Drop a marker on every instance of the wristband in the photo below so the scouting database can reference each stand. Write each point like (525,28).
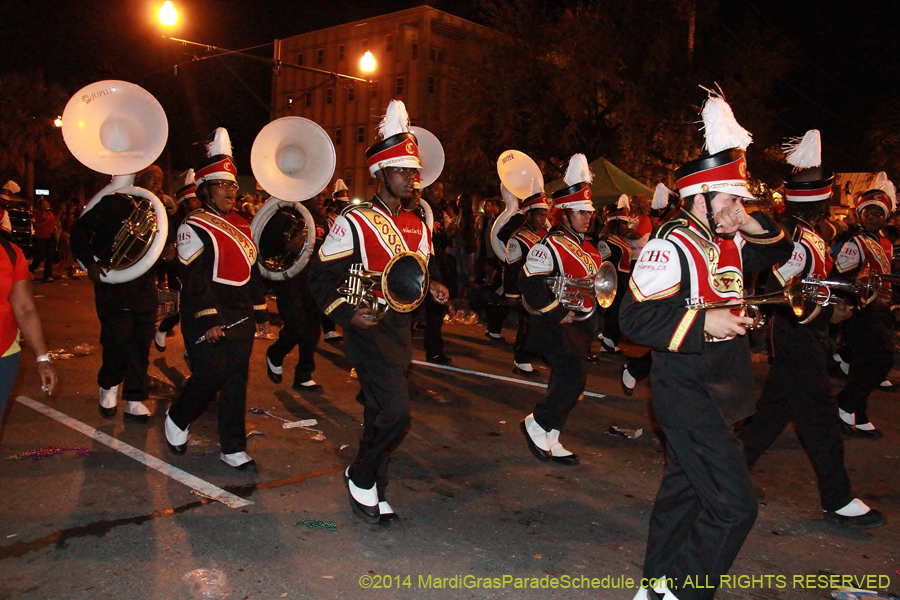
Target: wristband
(44,358)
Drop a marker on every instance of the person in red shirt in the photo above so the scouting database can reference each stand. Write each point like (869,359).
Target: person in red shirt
(44,239)
(17,312)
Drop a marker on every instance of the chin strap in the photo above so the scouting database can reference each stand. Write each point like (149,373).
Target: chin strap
(387,186)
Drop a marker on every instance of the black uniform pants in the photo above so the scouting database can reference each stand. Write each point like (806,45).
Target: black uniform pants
(385,421)
(704,509)
(520,354)
(434,320)
(495,313)
(327,324)
(125,336)
(218,368)
(301,319)
(567,379)
(869,336)
(611,327)
(798,390)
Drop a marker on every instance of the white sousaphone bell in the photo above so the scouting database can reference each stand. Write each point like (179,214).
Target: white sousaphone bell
(293,159)
(118,128)
(431,153)
(519,175)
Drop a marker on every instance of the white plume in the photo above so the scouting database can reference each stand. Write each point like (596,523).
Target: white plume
(221,144)
(885,185)
(578,171)
(189,177)
(12,186)
(536,186)
(624,202)
(660,197)
(721,129)
(339,185)
(396,120)
(805,152)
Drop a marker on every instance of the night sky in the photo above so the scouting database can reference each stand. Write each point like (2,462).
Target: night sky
(847,49)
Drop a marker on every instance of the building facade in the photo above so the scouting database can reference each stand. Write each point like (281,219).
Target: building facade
(421,57)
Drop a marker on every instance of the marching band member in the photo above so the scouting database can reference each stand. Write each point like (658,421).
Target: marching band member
(127,311)
(531,232)
(371,234)
(564,341)
(222,298)
(869,331)
(701,376)
(296,305)
(341,198)
(619,248)
(797,388)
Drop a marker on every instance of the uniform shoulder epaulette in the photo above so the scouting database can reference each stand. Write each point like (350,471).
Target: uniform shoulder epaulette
(666,228)
(352,207)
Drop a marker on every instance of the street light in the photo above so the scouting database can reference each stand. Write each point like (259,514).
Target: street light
(168,16)
(367,62)
(57,122)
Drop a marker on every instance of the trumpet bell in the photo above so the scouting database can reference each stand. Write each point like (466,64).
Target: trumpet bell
(605,284)
(431,153)
(293,158)
(404,282)
(114,127)
(518,172)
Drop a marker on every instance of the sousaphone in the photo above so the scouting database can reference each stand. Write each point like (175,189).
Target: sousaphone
(293,159)
(519,175)
(431,153)
(118,128)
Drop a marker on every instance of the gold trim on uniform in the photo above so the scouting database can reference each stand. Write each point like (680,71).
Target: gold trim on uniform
(334,305)
(666,293)
(205,313)
(549,307)
(681,331)
(260,307)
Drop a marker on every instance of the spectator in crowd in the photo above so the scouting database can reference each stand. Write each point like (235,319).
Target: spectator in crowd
(44,239)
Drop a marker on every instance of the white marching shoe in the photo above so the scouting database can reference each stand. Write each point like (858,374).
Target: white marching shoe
(558,453)
(108,401)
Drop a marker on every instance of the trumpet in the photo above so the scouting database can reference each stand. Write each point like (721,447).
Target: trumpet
(791,295)
(574,293)
(403,283)
(822,291)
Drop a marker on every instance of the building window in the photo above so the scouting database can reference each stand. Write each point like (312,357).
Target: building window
(340,52)
(373,91)
(320,56)
(431,85)
(389,42)
(360,135)
(329,95)
(415,50)
(348,179)
(351,93)
(398,89)
(308,100)
(437,54)
(338,136)
(300,59)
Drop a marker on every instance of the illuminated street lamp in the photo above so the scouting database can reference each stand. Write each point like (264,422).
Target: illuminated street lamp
(367,62)
(168,16)
(57,122)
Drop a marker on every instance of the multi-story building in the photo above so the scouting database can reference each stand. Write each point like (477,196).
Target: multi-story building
(421,57)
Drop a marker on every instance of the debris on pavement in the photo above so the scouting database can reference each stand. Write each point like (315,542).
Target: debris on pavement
(42,453)
(846,593)
(314,524)
(306,424)
(629,434)
(207,584)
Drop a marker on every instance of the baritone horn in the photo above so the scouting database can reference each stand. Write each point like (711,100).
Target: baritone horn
(402,286)
(791,295)
(118,128)
(293,159)
(576,293)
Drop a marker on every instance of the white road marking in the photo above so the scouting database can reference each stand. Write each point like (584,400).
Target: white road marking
(204,487)
(492,376)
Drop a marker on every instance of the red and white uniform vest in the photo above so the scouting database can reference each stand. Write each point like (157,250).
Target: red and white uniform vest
(624,265)
(235,251)
(521,243)
(715,271)
(809,249)
(870,253)
(381,236)
(563,252)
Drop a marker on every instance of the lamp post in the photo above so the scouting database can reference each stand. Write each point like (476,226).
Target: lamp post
(168,16)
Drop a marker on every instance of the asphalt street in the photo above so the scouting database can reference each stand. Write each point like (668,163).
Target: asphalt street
(117,516)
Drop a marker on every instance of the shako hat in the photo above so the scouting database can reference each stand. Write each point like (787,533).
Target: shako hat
(397,147)
(809,182)
(188,190)
(882,195)
(340,191)
(577,193)
(724,169)
(537,199)
(219,164)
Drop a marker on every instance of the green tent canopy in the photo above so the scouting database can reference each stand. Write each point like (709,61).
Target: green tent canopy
(609,183)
